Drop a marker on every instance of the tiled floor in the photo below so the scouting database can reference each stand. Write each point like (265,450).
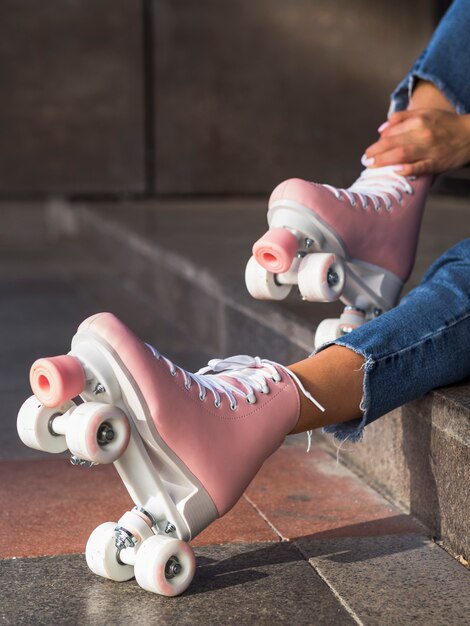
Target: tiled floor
(309,542)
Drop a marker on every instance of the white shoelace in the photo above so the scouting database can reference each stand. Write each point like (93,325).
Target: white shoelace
(375,184)
(251,373)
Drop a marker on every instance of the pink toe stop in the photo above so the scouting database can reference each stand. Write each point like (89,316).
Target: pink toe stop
(56,379)
(276,250)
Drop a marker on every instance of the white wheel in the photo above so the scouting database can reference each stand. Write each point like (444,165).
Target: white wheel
(101,554)
(321,277)
(332,329)
(328,330)
(34,425)
(165,565)
(262,284)
(98,432)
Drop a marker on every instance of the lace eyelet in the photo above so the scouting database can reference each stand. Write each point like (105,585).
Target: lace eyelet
(202,397)
(173,372)
(266,391)
(217,404)
(187,387)
(248,401)
(276,381)
(233,407)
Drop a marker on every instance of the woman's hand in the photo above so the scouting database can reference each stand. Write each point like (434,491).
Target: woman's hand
(422,141)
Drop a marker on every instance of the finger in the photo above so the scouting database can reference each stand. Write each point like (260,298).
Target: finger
(404,148)
(395,118)
(408,125)
(416,169)
(413,121)
(383,145)
(395,156)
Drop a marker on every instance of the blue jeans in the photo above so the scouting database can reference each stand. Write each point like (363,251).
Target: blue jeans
(445,62)
(421,344)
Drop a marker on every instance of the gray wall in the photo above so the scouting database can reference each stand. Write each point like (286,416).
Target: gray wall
(195,97)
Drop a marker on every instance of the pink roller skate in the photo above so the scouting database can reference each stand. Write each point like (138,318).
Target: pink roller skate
(356,244)
(185,445)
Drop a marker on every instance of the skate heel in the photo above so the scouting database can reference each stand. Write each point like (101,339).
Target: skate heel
(57,379)
(276,249)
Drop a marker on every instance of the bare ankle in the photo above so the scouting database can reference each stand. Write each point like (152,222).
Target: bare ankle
(334,377)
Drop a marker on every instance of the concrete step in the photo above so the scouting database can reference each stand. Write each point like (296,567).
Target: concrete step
(188,258)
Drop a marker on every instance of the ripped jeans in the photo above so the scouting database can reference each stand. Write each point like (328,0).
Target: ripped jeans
(445,62)
(421,344)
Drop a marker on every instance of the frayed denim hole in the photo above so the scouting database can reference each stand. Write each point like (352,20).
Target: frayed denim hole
(353,430)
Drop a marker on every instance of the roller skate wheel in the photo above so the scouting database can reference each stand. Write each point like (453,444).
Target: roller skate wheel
(321,277)
(276,250)
(328,330)
(34,425)
(352,318)
(101,554)
(98,432)
(165,565)
(57,379)
(262,284)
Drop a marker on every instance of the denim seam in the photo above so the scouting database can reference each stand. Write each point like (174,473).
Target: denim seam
(435,333)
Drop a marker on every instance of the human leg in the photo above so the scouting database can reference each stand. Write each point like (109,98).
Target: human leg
(335,378)
(422,344)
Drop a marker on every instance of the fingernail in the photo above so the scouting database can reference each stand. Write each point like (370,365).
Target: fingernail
(383,126)
(367,161)
(398,168)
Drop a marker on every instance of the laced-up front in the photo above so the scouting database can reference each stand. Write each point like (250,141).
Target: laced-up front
(376,184)
(203,457)
(252,373)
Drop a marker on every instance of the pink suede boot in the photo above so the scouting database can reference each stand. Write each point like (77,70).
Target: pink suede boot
(356,244)
(186,445)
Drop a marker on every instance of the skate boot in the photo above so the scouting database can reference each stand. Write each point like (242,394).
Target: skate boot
(356,244)
(185,445)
